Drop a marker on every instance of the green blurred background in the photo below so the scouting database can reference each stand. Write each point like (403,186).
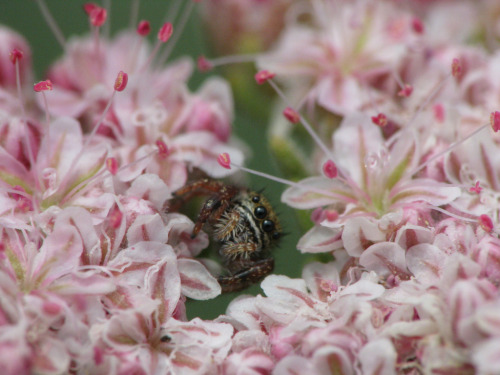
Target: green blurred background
(252,105)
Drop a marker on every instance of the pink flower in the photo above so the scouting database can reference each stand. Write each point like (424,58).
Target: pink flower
(337,62)
(158,106)
(96,264)
(377,182)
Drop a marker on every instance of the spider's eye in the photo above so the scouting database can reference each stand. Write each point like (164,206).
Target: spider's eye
(276,235)
(260,212)
(255,199)
(165,338)
(267,225)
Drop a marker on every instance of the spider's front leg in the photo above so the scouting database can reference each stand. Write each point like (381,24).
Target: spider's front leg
(214,206)
(247,276)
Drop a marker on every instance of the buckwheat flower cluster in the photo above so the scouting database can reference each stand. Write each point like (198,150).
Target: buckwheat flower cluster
(94,268)
(402,183)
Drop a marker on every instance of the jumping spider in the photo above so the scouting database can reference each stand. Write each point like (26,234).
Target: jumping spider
(243,223)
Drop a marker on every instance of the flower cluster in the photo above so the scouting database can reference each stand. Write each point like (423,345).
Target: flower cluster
(402,183)
(94,268)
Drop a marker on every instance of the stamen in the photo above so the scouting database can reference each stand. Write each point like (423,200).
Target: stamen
(83,186)
(307,126)
(89,7)
(446,212)
(319,215)
(120,79)
(42,87)
(205,64)
(51,308)
(163,150)
(495,121)
(15,56)
(143,28)
(165,32)
(97,17)
(486,223)
(267,77)
(225,161)
(52,23)
(112,165)
(179,29)
(106,4)
(380,120)
(330,169)
(120,84)
(406,91)
(291,115)
(448,149)
(164,35)
(417,25)
(476,188)
(439,113)
(263,76)
(115,218)
(456,68)
(134,13)
(173,11)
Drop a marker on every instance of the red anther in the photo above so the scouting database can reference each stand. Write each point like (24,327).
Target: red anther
(224,160)
(330,169)
(163,150)
(165,32)
(438,112)
(495,121)
(17,196)
(380,120)
(456,68)
(263,76)
(15,55)
(291,115)
(204,65)
(24,204)
(51,308)
(143,28)
(486,223)
(89,7)
(115,218)
(406,91)
(43,86)
(476,188)
(98,355)
(121,81)
(331,215)
(98,16)
(417,25)
(112,165)
(328,286)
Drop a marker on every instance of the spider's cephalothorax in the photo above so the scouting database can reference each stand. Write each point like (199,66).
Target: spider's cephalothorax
(243,223)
